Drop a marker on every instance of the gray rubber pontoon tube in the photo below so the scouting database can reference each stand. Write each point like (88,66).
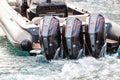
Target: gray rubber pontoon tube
(15,26)
(113,30)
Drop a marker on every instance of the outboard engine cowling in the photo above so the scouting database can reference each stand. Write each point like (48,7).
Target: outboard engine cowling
(72,37)
(50,36)
(96,34)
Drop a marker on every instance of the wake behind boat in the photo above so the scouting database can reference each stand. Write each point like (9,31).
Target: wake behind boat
(56,29)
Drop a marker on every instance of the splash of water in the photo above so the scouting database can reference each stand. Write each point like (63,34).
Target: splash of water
(16,65)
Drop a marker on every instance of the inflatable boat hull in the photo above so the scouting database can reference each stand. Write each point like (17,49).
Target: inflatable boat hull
(24,30)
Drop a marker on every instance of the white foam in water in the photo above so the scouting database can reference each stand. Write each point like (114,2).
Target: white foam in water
(88,68)
(106,68)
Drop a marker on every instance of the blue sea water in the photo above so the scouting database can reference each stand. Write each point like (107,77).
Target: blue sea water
(18,65)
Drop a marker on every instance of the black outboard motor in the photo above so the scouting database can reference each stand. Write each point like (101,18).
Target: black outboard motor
(50,36)
(73,38)
(96,35)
